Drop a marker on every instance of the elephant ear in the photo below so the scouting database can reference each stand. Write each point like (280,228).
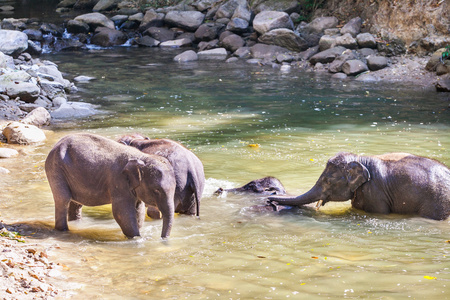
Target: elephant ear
(133,172)
(357,175)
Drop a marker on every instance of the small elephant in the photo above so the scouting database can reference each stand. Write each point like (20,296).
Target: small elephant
(263,186)
(399,183)
(188,169)
(87,169)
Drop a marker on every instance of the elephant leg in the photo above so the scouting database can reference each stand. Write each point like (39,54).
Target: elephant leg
(61,196)
(167,210)
(125,213)
(153,212)
(74,211)
(140,213)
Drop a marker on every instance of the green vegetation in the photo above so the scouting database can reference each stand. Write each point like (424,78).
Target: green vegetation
(445,54)
(12,235)
(309,8)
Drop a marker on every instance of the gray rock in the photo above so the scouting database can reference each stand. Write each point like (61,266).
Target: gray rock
(346,41)
(83,78)
(186,56)
(8,152)
(189,20)
(241,12)
(26,91)
(353,27)
(267,52)
(208,45)
(318,25)
(434,60)
(208,31)
(365,52)
(74,26)
(332,31)
(228,8)
(52,89)
(107,37)
(327,56)
(74,110)
(377,62)
(203,5)
(37,117)
(285,38)
(443,84)
(13,42)
(354,67)
(340,76)
(284,57)
(34,34)
(6,8)
(366,77)
(51,72)
(232,60)
(327,42)
(24,134)
(147,41)
(308,53)
(4,171)
(443,69)
(58,101)
(213,54)
(233,42)
(238,25)
(67,3)
(95,20)
(243,52)
(119,19)
(34,48)
(176,43)
(6,61)
(105,5)
(269,20)
(366,40)
(336,65)
(160,34)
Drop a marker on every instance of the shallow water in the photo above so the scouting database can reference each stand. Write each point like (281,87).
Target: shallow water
(218,110)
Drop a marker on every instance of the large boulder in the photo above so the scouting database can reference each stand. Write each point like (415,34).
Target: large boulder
(73,110)
(336,65)
(25,134)
(285,38)
(366,40)
(160,33)
(37,117)
(13,42)
(189,20)
(269,20)
(104,5)
(267,52)
(376,63)
(354,67)
(346,41)
(52,89)
(327,56)
(353,27)
(26,91)
(151,19)
(227,9)
(318,25)
(107,37)
(50,72)
(6,61)
(95,20)
(75,26)
(327,42)
(238,25)
(233,42)
(208,31)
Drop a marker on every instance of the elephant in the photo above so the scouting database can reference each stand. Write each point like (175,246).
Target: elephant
(263,186)
(399,183)
(87,169)
(188,169)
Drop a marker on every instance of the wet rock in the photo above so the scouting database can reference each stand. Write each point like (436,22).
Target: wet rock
(354,67)
(151,19)
(346,41)
(13,42)
(443,68)
(34,34)
(107,37)
(176,43)
(95,20)
(34,48)
(269,20)
(52,29)
(213,54)
(208,31)
(443,85)
(8,152)
(339,76)
(73,110)
(327,56)
(147,41)
(233,42)
(75,26)
(327,42)
(24,134)
(160,34)
(366,40)
(186,56)
(68,45)
(105,5)
(318,25)
(208,45)
(37,117)
(243,52)
(366,77)
(377,62)
(189,20)
(14,24)
(267,52)
(67,3)
(85,4)
(353,27)
(285,38)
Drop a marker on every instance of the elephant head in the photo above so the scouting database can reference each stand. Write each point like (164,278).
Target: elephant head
(342,176)
(153,185)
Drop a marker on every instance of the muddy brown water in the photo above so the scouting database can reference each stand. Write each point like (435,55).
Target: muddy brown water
(244,122)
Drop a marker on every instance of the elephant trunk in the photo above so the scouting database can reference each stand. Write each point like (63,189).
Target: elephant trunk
(310,196)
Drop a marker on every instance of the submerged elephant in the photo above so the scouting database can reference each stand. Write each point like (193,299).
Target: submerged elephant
(263,186)
(87,169)
(399,183)
(188,169)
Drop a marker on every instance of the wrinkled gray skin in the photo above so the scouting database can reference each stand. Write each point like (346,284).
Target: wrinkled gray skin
(399,183)
(188,169)
(263,186)
(87,169)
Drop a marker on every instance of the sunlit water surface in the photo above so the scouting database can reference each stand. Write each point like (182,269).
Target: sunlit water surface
(221,111)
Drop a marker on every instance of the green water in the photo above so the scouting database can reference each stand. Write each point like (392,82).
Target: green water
(218,110)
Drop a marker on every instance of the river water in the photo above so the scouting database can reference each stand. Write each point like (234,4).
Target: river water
(244,122)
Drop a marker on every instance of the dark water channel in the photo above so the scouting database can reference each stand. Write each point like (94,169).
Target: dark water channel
(218,110)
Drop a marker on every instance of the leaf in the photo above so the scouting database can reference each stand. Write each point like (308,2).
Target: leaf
(429,277)
(314,257)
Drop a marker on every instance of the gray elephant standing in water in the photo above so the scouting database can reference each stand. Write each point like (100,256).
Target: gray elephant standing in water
(399,183)
(87,169)
(188,169)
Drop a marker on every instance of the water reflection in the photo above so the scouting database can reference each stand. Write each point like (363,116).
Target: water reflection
(217,110)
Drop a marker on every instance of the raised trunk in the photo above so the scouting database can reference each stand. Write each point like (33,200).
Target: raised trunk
(310,196)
